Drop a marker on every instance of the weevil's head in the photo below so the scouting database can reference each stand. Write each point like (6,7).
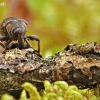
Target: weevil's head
(18,32)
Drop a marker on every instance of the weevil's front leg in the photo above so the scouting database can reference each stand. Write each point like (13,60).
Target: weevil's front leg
(7,44)
(33,37)
(27,42)
(21,41)
(3,38)
(2,44)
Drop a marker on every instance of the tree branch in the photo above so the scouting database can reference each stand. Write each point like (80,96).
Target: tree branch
(76,64)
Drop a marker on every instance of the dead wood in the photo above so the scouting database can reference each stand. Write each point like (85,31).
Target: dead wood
(76,64)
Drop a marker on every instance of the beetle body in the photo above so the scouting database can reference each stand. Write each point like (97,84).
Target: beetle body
(13,29)
(10,24)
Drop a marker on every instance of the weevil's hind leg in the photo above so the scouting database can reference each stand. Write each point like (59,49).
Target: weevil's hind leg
(33,37)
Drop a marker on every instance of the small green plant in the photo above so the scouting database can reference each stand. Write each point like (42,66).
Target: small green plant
(59,90)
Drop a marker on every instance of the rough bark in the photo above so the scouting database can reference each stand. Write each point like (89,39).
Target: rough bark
(76,64)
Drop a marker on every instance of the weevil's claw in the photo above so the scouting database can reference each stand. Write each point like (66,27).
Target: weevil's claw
(37,53)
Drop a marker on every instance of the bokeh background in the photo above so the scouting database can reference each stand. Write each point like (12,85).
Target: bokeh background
(56,22)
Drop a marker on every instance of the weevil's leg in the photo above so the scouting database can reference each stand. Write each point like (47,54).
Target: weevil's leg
(7,44)
(3,38)
(33,37)
(28,43)
(2,44)
(21,41)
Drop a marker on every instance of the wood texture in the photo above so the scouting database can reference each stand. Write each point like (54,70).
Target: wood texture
(76,64)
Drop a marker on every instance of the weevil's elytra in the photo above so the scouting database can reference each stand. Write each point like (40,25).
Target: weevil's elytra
(13,29)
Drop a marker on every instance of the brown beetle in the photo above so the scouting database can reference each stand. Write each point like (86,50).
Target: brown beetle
(13,29)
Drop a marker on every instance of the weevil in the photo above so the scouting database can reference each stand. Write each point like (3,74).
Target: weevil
(13,29)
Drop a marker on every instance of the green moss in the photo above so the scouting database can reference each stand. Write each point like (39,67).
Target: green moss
(59,90)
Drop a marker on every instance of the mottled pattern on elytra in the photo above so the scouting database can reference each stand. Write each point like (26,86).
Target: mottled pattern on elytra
(3,28)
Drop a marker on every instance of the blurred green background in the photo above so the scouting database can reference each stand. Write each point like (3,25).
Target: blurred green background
(56,22)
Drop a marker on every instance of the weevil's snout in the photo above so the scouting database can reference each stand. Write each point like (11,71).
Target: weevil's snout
(18,32)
